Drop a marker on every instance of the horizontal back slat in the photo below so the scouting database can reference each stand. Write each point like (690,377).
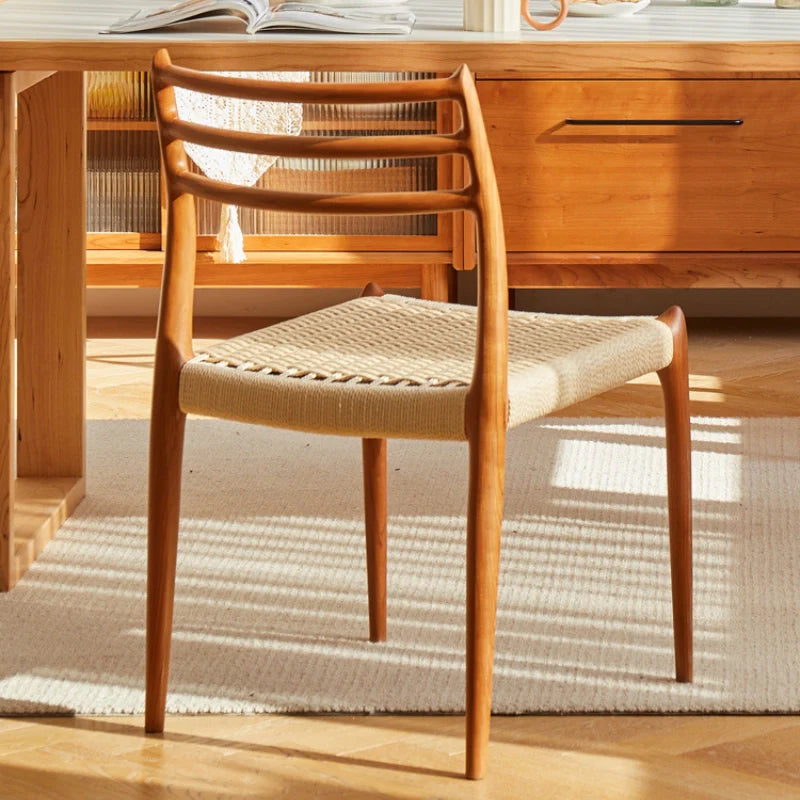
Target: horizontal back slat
(281,92)
(377,203)
(397,146)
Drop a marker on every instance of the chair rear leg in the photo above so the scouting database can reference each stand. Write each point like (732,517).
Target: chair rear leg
(675,385)
(373,453)
(166,456)
(484,521)
(374,460)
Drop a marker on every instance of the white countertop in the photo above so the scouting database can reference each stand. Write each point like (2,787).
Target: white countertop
(437,21)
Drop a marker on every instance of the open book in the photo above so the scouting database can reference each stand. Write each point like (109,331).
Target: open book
(332,16)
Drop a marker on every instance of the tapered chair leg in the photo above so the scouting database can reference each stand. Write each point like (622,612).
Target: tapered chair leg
(373,453)
(166,456)
(675,385)
(374,458)
(484,520)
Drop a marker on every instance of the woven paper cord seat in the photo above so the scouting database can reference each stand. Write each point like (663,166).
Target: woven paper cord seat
(398,367)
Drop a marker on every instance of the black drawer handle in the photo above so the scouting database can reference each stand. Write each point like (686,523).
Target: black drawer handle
(687,122)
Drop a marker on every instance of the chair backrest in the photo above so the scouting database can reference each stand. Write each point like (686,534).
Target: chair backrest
(479,196)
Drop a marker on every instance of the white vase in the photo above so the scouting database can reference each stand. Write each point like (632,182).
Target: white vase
(491,15)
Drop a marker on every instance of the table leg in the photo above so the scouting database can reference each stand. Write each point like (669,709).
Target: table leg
(7,213)
(51,309)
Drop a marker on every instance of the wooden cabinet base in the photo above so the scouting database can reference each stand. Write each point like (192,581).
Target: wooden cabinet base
(654,270)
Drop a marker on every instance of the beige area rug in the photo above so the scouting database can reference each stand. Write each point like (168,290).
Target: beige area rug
(271,607)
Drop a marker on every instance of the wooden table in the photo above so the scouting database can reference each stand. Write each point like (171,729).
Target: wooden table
(45,47)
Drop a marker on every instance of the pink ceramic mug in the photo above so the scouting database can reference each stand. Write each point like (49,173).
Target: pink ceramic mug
(544,26)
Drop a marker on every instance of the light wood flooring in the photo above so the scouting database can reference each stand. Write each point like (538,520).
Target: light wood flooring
(750,369)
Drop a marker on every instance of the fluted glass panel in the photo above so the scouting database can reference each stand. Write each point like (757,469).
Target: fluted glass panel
(122,181)
(119,95)
(122,154)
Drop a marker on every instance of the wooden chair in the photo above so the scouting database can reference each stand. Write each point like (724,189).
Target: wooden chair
(380,366)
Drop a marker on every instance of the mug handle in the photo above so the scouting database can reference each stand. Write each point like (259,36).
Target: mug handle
(544,26)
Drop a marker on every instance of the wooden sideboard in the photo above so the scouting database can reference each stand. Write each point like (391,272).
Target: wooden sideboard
(610,182)
(651,183)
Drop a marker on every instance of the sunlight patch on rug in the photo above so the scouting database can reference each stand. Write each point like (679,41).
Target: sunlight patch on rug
(271,607)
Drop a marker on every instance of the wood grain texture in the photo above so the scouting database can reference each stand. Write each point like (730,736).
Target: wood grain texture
(668,203)
(8,201)
(336,243)
(50,332)
(448,176)
(485,421)
(51,278)
(698,188)
(276,258)
(374,458)
(622,59)
(437,283)
(98,124)
(167,425)
(25,79)
(265,268)
(114,243)
(400,758)
(41,505)
(675,385)
(652,270)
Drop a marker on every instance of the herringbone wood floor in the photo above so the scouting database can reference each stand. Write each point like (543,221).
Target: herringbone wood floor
(738,369)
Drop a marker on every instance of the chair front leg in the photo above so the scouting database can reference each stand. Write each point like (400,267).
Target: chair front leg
(675,385)
(374,460)
(166,457)
(484,521)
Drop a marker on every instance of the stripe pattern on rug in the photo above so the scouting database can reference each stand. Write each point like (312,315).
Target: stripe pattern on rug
(271,607)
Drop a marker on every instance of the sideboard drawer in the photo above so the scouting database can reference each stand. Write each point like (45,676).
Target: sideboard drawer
(646,188)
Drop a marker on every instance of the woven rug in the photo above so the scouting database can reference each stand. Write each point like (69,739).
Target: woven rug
(271,610)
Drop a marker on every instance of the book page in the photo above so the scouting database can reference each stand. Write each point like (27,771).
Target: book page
(247,10)
(300,15)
